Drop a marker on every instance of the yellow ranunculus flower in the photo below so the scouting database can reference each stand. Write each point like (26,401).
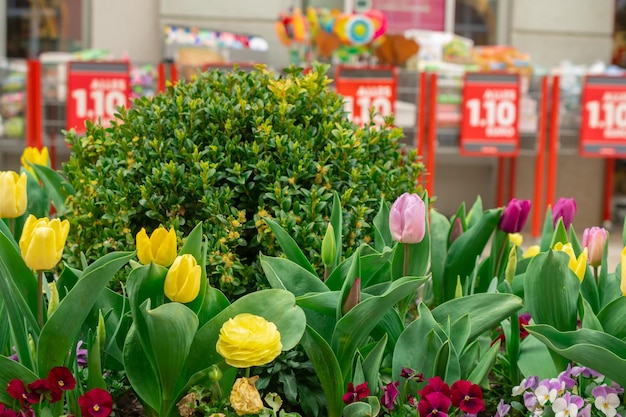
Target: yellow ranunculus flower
(245,398)
(159,248)
(622,286)
(516,238)
(248,340)
(578,265)
(13,199)
(182,282)
(42,242)
(34,156)
(532,251)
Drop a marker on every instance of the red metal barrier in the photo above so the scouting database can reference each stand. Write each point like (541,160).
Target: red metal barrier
(421,118)
(432,136)
(540,161)
(553,140)
(34,114)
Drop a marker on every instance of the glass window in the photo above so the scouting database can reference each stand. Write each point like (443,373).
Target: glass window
(476,20)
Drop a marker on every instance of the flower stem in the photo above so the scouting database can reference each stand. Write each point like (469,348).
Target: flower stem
(405,268)
(40,298)
(12,227)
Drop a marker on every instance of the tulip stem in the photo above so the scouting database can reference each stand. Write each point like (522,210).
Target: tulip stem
(12,227)
(496,270)
(405,268)
(595,274)
(40,298)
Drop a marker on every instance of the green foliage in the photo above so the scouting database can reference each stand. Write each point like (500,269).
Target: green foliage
(230,149)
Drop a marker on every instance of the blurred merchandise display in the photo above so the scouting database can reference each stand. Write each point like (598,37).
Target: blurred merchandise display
(12,98)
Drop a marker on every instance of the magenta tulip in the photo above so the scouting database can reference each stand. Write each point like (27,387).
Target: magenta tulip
(594,239)
(407,219)
(514,216)
(564,208)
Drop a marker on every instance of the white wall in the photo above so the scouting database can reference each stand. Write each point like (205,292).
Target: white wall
(552,31)
(130,26)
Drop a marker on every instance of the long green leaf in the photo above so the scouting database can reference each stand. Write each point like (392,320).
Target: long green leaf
(9,370)
(55,185)
(382,234)
(612,318)
(483,367)
(440,229)
(63,327)
(535,359)
(23,278)
(337,222)
(285,274)
(140,371)
(290,247)
(486,310)
(595,349)
(326,368)
(354,328)
(372,362)
(464,250)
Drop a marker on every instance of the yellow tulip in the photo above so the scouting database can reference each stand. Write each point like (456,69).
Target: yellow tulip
(622,286)
(245,398)
(532,251)
(42,242)
(182,282)
(13,199)
(248,340)
(34,156)
(578,265)
(159,248)
(516,238)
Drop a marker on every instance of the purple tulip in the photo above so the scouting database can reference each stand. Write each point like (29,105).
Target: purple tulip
(594,239)
(407,219)
(514,216)
(564,208)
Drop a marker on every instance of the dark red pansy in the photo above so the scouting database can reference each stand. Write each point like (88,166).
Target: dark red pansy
(62,378)
(96,403)
(467,396)
(355,394)
(435,384)
(435,404)
(42,389)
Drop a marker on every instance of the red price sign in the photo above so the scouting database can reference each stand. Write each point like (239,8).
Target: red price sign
(364,88)
(94,90)
(603,121)
(490,115)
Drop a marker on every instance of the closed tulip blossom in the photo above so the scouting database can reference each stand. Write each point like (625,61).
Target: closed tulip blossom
(183,279)
(42,242)
(33,155)
(564,208)
(594,239)
(248,340)
(13,197)
(407,219)
(159,248)
(514,216)
(577,265)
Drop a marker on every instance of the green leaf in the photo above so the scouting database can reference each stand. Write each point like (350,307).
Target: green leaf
(9,370)
(595,349)
(214,302)
(336,221)
(382,234)
(612,318)
(547,231)
(193,246)
(353,329)
(140,371)
(486,310)
(460,332)
(463,252)
(482,369)
(285,274)
(440,229)
(588,317)
(374,269)
(56,187)
(94,364)
(62,329)
(535,359)
(372,362)
(446,364)
(291,248)
(326,368)
(551,290)
(475,213)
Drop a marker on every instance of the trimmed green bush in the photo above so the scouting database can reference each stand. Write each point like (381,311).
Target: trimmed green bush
(228,149)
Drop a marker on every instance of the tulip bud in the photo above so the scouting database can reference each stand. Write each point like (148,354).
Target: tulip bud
(594,239)
(42,242)
(182,282)
(407,219)
(564,208)
(622,286)
(160,248)
(329,246)
(514,216)
(13,196)
(101,332)
(456,231)
(353,298)
(34,155)
(53,302)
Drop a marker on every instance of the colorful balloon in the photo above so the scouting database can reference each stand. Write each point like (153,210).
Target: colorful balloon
(359,30)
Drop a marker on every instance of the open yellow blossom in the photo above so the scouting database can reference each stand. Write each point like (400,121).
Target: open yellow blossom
(159,248)
(532,251)
(578,265)
(34,155)
(516,238)
(248,340)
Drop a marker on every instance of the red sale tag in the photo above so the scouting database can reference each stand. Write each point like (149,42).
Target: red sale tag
(490,114)
(603,121)
(94,91)
(366,88)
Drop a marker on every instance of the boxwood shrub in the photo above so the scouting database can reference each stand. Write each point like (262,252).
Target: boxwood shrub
(229,148)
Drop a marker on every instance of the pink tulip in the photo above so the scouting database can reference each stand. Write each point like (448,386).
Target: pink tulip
(407,219)
(594,239)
